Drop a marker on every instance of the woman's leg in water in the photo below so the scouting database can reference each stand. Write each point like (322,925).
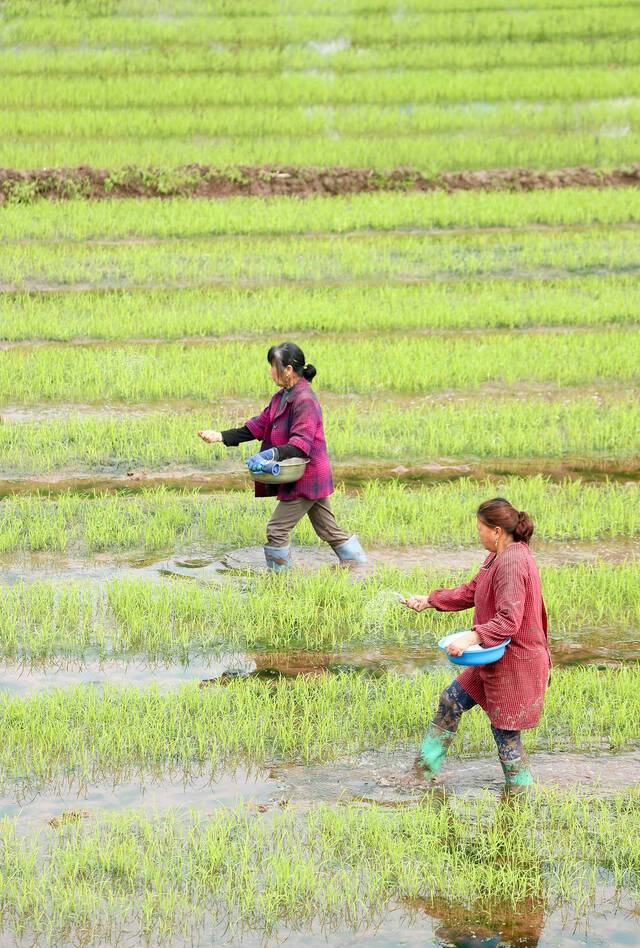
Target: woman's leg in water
(347,548)
(454,701)
(288,513)
(513,758)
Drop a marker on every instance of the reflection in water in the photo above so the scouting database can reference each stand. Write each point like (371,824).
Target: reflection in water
(485,924)
(481,926)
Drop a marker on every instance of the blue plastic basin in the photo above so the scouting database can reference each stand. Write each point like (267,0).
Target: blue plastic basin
(475,654)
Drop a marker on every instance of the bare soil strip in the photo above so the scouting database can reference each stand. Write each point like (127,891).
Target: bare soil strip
(204,181)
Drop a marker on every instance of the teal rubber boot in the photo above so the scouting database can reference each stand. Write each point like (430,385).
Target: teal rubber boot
(517,774)
(351,551)
(278,558)
(434,747)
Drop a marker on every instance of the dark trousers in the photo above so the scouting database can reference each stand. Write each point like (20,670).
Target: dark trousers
(454,701)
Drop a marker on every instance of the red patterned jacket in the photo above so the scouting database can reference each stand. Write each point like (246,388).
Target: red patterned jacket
(507,597)
(297,422)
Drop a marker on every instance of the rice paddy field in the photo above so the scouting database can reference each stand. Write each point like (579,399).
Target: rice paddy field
(439,201)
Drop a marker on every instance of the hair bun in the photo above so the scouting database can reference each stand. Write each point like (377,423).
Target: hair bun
(500,513)
(309,372)
(524,527)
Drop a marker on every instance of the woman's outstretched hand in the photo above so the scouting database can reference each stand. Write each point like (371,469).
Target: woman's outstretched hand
(210,436)
(463,642)
(418,603)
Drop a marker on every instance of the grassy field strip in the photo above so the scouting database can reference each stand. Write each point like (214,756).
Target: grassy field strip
(81,735)
(506,303)
(339,57)
(594,22)
(428,155)
(243,9)
(555,83)
(307,237)
(377,256)
(335,867)
(411,365)
(48,623)
(440,515)
(503,427)
(80,220)
(380,122)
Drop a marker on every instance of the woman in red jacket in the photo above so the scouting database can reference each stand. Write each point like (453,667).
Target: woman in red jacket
(291,426)
(507,600)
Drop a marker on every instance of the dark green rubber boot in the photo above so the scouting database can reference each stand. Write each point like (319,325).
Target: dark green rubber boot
(434,747)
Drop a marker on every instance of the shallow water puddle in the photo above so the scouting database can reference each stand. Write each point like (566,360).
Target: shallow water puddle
(251,559)
(369,778)
(218,668)
(217,565)
(440,924)
(25,680)
(57,807)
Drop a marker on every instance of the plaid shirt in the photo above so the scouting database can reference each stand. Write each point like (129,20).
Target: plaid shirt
(297,421)
(507,597)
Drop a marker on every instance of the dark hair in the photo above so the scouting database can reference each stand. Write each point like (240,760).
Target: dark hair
(500,513)
(288,353)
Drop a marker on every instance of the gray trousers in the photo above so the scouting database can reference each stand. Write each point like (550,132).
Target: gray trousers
(289,512)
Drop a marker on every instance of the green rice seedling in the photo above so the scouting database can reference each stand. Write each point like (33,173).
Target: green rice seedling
(154,372)
(83,735)
(179,217)
(244,11)
(381,513)
(249,31)
(362,126)
(429,154)
(299,58)
(52,623)
(371,258)
(464,304)
(157,877)
(442,85)
(507,428)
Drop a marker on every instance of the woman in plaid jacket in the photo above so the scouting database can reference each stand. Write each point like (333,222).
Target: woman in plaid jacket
(507,600)
(291,426)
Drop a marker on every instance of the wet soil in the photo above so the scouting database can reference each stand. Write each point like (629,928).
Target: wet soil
(372,777)
(241,405)
(90,342)
(354,474)
(369,778)
(223,283)
(204,181)
(150,240)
